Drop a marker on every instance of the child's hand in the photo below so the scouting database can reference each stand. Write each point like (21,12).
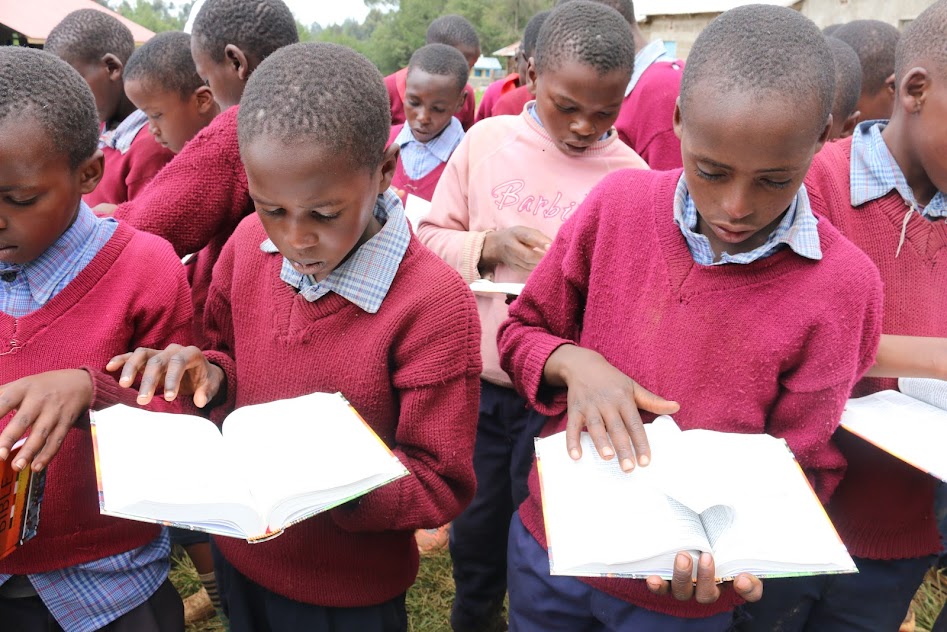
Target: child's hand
(682,586)
(180,369)
(605,401)
(48,405)
(521,248)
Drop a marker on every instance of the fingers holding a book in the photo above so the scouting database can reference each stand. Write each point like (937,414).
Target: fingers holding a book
(705,589)
(519,247)
(177,370)
(47,406)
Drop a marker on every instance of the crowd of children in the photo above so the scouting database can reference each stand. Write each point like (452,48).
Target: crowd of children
(217,220)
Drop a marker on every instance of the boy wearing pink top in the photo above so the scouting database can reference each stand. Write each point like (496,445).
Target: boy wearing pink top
(507,189)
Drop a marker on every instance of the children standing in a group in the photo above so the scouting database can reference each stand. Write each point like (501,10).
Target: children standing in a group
(874,42)
(327,284)
(452,30)
(434,93)
(98,46)
(883,188)
(74,291)
(697,285)
(507,189)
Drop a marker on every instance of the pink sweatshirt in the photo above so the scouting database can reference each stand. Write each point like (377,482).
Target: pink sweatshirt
(508,172)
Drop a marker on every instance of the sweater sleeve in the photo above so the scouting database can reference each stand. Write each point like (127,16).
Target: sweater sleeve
(219,347)
(446,229)
(146,160)
(198,195)
(438,382)
(662,151)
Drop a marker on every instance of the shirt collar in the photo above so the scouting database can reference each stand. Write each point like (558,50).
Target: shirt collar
(874,172)
(366,276)
(531,108)
(45,273)
(122,136)
(441,146)
(655,51)
(798,230)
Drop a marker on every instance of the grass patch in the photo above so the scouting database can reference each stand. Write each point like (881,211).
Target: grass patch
(930,599)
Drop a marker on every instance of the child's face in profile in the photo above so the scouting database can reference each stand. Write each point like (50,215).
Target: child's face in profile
(172,118)
(222,78)
(576,104)
(742,169)
(471,54)
(429,103)
(105,80)
(39,191)
(925,102)
(314,206)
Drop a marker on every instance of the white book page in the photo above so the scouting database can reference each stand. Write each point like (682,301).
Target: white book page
(907,428)
(933,392)
(595,513)
(485,286)
(415,209)
(161,458)
(303,445)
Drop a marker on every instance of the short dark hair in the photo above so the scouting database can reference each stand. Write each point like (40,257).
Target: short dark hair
(453,30)
(831,28)
(848,78)
(626,8)
(441,59)
(39,85)
(587,32)
(88,35)
(165,62)
(257,27)
(531,34)
(875,43)
(924,40)
(763,49)
(323,93)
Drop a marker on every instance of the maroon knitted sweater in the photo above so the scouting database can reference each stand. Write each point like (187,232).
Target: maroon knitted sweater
(646,120)
(126,175)
(883,508)
(132,294)
(412,370)
(774,346)
(196,202)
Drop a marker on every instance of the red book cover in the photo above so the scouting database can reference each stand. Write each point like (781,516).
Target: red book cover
(20,497)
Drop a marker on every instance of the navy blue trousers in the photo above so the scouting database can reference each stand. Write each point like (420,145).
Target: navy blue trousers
(503,456)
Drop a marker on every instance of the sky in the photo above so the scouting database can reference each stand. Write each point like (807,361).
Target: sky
(327,12)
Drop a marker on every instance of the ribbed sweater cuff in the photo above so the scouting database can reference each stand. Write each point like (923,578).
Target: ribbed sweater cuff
(219,412)
(106,390)
(545,399)
(470,257)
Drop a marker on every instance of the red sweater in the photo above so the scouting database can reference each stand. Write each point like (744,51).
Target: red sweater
(646,120)
(115,305)
(396,84)
(422,187)
(513,102)
(493,93)
(743,348)
(126,175)
(412,370)
(883,508)
(197,202)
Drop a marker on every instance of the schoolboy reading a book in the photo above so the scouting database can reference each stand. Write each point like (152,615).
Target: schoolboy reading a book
(883,188)
(434,92)
(848,85)
(162,81)
(452,30)
(697,285)
(874,42)
(507,189)
(197,202)
(73,293)
(327,283)
(98,45)
(514,101)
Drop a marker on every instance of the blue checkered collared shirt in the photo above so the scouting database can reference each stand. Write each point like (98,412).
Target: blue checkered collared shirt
(798,230)
(122,136)
(420,159)
(25,288)
(365,277)
(875,173)
(653,52)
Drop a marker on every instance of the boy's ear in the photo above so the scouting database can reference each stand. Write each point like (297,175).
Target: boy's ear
(890,85)
(531,76)
(914,89)
(205,99)
(237,60)
(825,135)
(91,171)
(114,66)
(387,168)
(850,124)
(678,119)
(461,101)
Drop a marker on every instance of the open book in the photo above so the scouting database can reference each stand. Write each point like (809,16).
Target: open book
(742,498)
(273,465)
(486,286)
(20,496)
(910,425)
(415,209)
